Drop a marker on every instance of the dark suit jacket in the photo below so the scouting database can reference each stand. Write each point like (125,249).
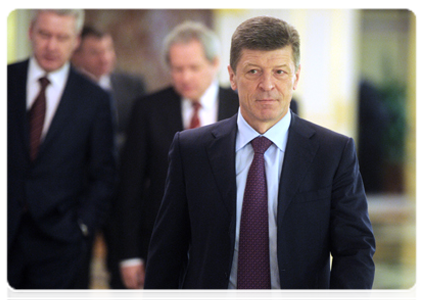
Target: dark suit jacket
(126,88)
(155,120)
(74,174)
(322,210)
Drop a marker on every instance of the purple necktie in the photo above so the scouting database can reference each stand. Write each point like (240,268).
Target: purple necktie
(253,250)
(36,119)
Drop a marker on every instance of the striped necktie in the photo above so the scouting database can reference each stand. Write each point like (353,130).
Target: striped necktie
(195,120)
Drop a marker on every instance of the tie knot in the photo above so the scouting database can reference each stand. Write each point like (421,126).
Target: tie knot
(44,82)
(261,144)
(196,105)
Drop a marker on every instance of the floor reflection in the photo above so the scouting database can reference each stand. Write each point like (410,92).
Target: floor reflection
(394,224)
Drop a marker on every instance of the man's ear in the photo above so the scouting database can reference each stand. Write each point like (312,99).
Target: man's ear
(77,42)
(232,78)
(216,62)
(297,77)
(31,31)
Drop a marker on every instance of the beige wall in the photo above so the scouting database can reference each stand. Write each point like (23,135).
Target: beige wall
(138,35)
(409,237)
(18,46)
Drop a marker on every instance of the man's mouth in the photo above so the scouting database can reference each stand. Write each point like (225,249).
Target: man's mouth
(49,58)
(266,100)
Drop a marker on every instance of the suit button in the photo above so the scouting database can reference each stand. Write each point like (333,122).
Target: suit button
(84,228)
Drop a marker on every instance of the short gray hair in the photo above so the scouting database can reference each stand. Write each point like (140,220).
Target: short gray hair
(78,14)
(193,31)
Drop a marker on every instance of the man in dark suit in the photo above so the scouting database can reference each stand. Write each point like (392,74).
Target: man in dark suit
(308,198)
(192,54)
(61,157)
(96,58)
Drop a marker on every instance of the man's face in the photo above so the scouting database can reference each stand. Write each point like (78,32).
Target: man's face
(53,39)
(265,81)
(96,56)
(191,72)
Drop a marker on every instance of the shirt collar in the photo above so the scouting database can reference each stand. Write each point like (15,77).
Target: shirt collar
(105,82)
(57,77)
(209,98)
(278,133)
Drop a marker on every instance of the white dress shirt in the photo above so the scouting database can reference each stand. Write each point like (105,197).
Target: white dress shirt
(273,158)
(105,82)
(54,90)
(209,107)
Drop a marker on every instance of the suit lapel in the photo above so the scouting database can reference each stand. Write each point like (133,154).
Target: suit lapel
(173,111)
(221,153)
(299,154)
(19,98)
(64,111)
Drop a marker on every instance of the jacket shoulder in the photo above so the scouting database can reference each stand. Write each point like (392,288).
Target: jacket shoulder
(165,93)
(161,98)
(228,92)
(123,78)
(84,85)
(18,64)
(310,129)
(17,68)
(17,74)
(216,130)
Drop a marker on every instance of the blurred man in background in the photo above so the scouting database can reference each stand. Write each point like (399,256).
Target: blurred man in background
(194,99)
(96,58)
(61,157)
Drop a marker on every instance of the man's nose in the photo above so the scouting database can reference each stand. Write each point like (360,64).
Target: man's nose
(186,75)
(267,82)
(52,44)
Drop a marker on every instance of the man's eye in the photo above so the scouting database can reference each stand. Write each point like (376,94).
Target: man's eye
(280,72)
(254,71)
(63,38)
(44,35)
(195,68)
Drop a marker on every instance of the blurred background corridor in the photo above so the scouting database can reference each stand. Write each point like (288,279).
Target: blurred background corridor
(358,78)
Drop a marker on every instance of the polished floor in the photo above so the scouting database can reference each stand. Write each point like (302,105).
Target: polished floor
(393,219)
(394,224)
(99,275)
